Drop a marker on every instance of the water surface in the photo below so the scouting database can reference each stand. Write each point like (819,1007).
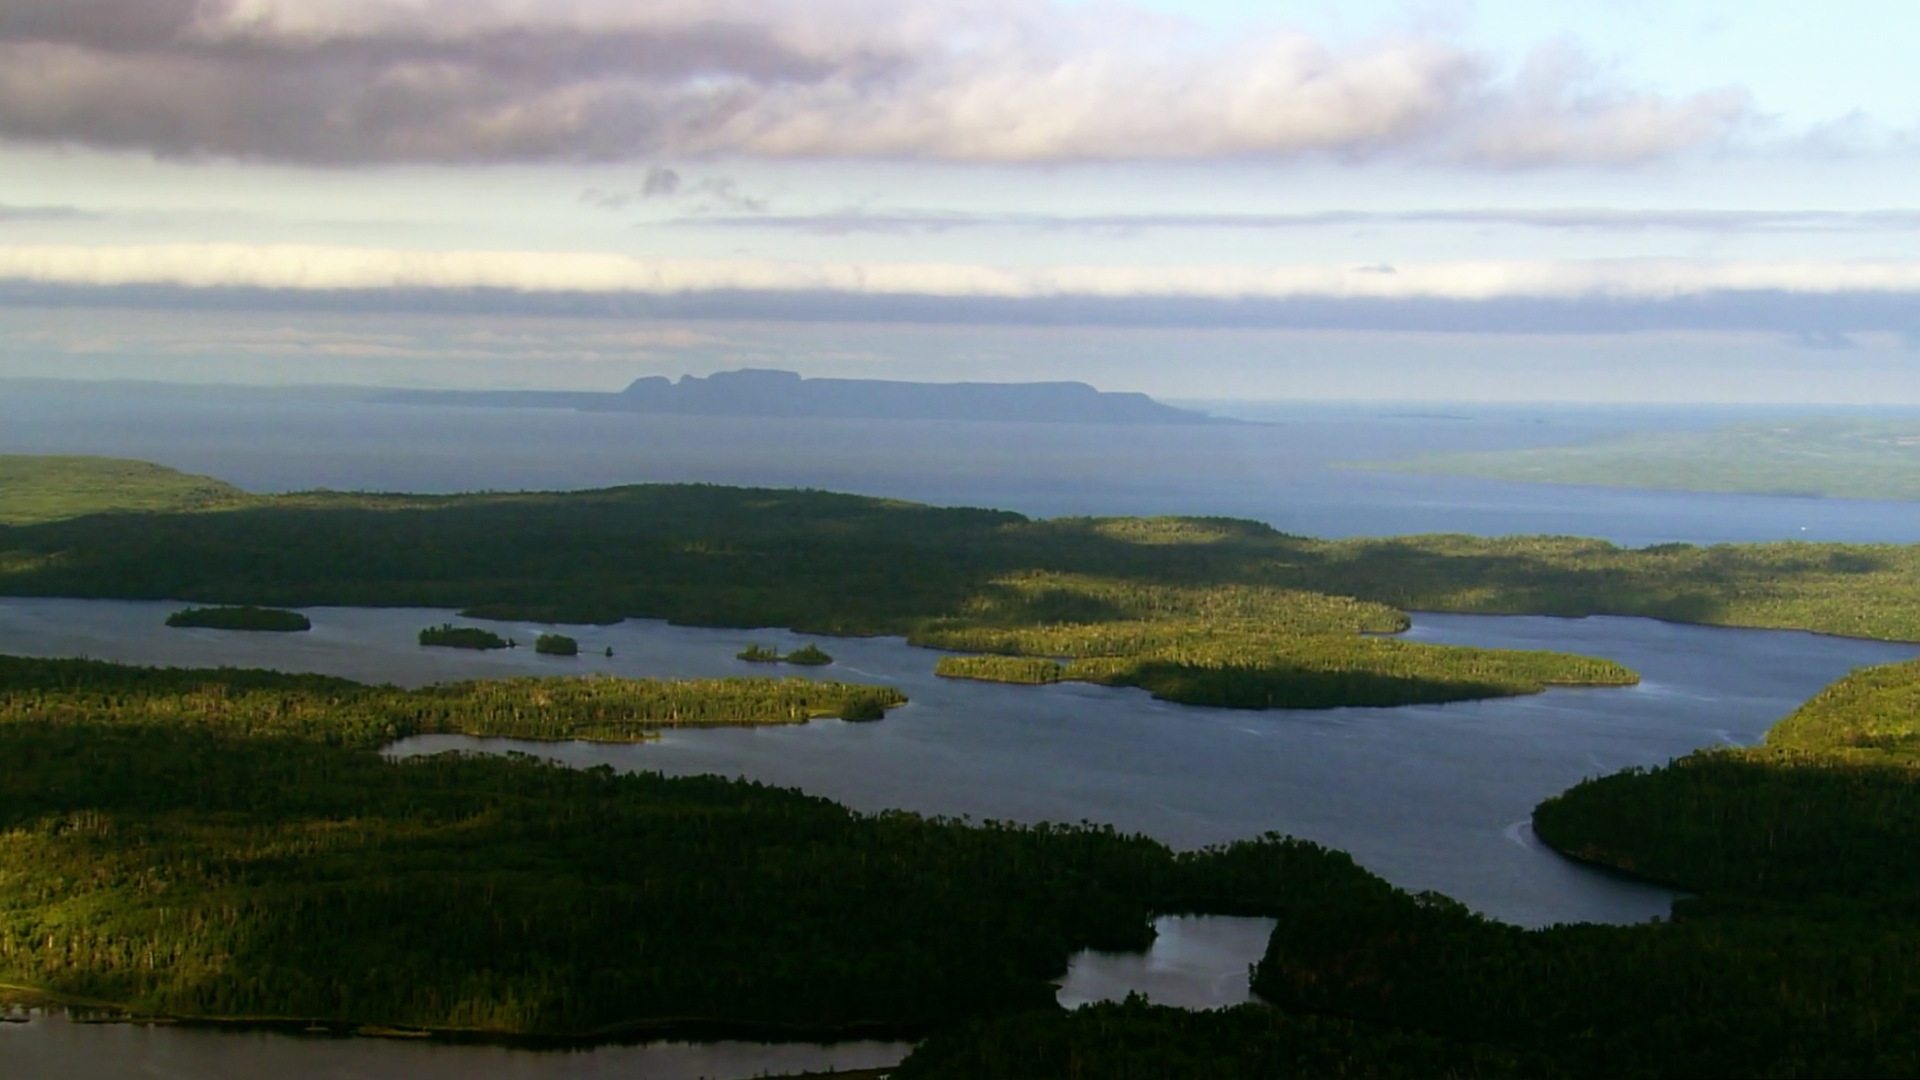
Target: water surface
(53,1047)
(1430,797)
(1283,472)
(1196,962)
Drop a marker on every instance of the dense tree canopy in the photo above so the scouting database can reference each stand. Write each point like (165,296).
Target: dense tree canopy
(1204,611)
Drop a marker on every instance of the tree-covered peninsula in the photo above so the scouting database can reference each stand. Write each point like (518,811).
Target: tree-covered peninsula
(241,702)
(230,845)
(1309,672)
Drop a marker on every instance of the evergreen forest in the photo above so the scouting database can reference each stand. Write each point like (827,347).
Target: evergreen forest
(230,845)
(1792,957)
(1199,611)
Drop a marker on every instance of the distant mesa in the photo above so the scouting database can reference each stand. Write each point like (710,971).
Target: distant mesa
(785,394)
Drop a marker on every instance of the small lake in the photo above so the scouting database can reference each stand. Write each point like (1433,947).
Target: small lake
(1196,962)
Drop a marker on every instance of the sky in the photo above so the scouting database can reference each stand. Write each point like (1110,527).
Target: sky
(1551,199)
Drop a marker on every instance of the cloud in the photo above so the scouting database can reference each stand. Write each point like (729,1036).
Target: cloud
(700,199)
(1569,219)
(312,268)
(344,82)
(43,213)
(660,182)
(1823,341)
(1562,107)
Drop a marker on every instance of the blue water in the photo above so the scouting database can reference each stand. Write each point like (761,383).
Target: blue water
(1285,472)
(1430,797)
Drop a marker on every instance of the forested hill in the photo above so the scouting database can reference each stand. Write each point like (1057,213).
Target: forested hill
(36,488)
(810,560)
(753,392)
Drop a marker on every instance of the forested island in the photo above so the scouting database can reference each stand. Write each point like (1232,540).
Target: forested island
(273,620)
(773,394)
(449,636)
(1830,457)
(808,655)
(556,645)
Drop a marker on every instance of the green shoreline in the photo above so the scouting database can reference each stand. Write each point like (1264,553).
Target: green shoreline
(1813,457)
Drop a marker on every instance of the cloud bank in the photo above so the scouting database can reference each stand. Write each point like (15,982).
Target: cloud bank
(311,268)
(1569,219)
(347,82)
(43,213)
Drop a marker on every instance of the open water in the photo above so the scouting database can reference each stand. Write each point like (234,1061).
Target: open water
(1286,471)
(1430,797)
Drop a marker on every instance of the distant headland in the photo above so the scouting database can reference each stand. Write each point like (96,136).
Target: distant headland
(766,393)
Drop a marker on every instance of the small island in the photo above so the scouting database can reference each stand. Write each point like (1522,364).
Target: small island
(808,655)
(449,636)
(556,645)
(240,618)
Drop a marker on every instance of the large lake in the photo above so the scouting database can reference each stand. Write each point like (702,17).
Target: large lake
(1285,472)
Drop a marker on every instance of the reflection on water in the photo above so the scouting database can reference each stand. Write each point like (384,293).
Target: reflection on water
(1197,962)
(52,1047)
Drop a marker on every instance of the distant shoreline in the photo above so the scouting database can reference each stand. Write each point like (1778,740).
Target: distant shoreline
(786,395)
